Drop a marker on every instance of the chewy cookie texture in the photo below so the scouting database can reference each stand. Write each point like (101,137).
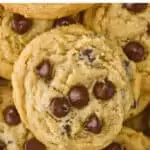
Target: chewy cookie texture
(128,24)
(47,11)
(142,93)
(15,32)
(79,82)
(13,134)
(71,89)
(129,139)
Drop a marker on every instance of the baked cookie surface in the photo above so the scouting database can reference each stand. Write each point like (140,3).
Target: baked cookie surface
(46,11)
(128,24)
(129,139)
(142,93)
(15,32)
(72,90)
(139,122)
(13,134)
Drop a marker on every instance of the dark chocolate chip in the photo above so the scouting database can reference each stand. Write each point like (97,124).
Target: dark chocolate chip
(104,90)
(113,146)
(136,7)
(20,24)
(134,51)
(44,69)
(34,144)
(93,124)
(2,145)
(60,106)
(11,115)
(79,96)
(63,22)
(88,53)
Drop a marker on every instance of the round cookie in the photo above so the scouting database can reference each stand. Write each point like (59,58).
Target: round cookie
(15,32)
(46,11)
(13,134)
(128,24)
(129,139)
(72,90)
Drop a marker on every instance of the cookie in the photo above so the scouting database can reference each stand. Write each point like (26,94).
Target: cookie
(72,90)
(147,117)
(139,122)
(46,11)
(141,100)
(15,32)
(128,24)
(129,139)
(13,134)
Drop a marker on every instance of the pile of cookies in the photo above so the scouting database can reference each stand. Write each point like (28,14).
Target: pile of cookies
(75,77)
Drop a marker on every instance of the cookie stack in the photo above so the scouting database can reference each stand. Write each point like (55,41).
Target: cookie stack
(74,77)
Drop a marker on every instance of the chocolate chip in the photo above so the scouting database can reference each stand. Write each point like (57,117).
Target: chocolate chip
(44,69)
(2,145)
(34,144)
(63,22)
(88,53)
(79,96)
(20,24)
(93,124)
(60,106)
(136,8)
(134,51)
(104,90)
(11,115)
(113,146)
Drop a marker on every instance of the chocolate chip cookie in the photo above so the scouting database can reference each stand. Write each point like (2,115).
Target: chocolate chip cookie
(13,134)
(15,32)
(129,25)
(139,122)
(129,139)
(72,90)
(46,11)
(141,100)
